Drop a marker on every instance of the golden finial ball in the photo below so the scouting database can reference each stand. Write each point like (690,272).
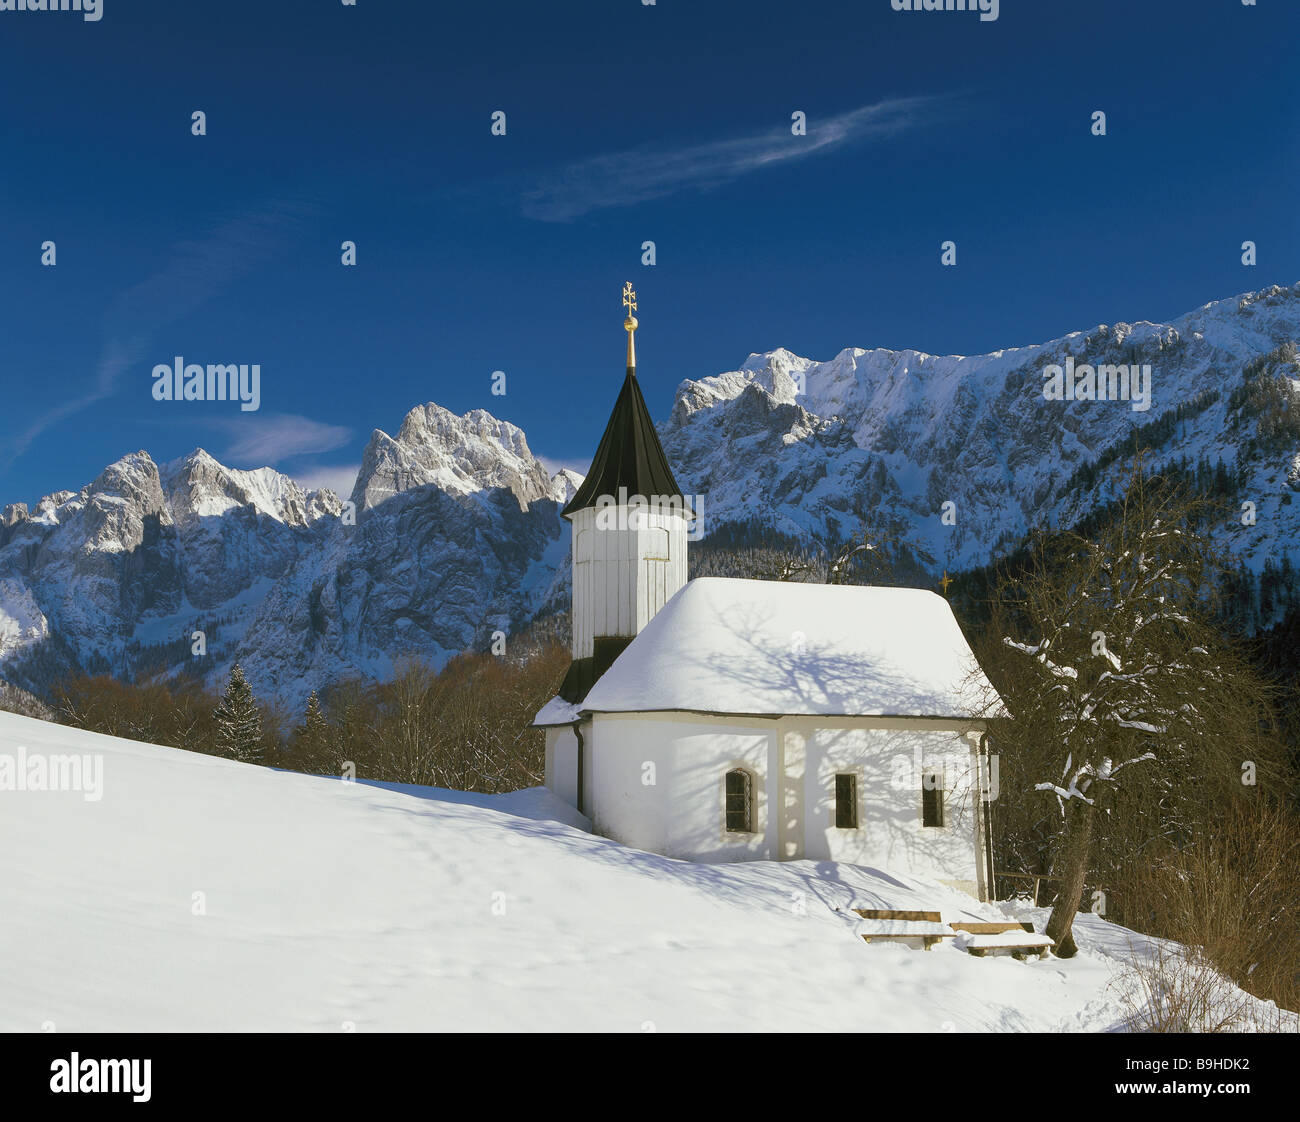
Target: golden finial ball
(630,324)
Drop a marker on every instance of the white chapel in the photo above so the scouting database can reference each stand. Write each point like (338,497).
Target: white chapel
(743,720)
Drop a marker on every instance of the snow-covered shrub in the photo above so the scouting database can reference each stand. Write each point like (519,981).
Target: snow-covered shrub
(1177,989)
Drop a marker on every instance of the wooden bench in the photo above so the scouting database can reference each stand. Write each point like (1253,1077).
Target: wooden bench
(978,937)
(887,913)
(895,925)
(1019,939)
(997,927)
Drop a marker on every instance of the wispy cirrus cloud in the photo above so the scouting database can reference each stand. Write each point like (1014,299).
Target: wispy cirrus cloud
(270,438)
(197,272)
(652,172)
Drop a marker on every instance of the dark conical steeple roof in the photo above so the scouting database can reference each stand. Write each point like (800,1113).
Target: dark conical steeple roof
(629,455)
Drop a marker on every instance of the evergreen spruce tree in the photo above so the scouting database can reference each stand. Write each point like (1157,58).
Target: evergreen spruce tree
(239,723)
(314,737)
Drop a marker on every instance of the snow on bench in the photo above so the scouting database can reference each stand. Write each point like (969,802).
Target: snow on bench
(1019,942)
(881,928)
(978,937)
(904,926)
(992,927)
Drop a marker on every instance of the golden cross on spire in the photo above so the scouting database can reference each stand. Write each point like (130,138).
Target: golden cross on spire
(630,325)
(947,580)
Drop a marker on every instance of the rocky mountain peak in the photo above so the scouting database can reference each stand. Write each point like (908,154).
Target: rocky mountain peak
(455,454)
(198,487)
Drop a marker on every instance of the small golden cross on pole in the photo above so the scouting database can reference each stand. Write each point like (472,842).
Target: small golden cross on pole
(947,580)
(630,325)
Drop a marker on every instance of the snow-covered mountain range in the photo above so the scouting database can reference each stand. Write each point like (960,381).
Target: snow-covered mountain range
(892,436)
(452,532)
(453,529)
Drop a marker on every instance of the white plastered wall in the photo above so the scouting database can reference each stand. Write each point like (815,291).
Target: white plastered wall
(656,781)
(562,763)
(888,758)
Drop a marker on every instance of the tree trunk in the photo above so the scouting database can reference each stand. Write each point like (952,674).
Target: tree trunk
(1073,871)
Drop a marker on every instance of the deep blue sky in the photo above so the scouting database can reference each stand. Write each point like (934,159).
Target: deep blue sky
(625,123)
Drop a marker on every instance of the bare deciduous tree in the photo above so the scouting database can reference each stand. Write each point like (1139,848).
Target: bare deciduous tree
(1142,704)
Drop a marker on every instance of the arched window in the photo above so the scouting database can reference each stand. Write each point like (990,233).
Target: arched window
(740,801)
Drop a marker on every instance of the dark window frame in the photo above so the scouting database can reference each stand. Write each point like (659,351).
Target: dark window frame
(846,800)
(738,804)
(932,800)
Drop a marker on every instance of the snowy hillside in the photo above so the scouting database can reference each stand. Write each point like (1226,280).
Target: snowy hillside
(458,533)
(201,894)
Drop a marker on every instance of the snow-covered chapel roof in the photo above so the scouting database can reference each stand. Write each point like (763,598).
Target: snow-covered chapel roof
(768,648)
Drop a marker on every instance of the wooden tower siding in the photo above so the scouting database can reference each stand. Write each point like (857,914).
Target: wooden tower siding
(621,576)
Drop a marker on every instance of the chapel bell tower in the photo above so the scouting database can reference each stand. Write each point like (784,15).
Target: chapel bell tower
(629,533)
